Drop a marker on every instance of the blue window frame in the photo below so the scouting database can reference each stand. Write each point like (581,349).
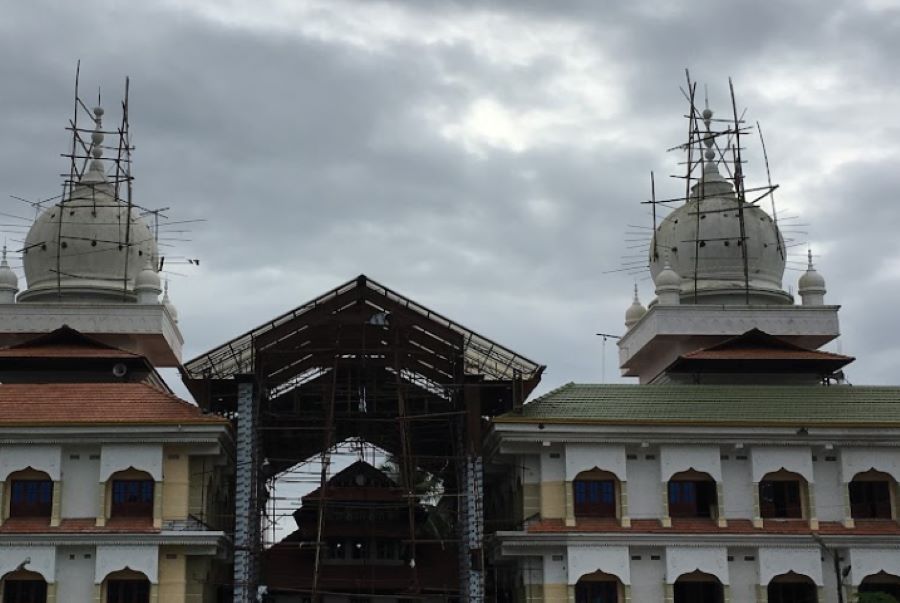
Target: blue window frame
(132,498)
(595,498)
(31,498)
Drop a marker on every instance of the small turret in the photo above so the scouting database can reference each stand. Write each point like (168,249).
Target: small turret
(668,286)
(9,282)
(147,286)
(635,311)
(811,286)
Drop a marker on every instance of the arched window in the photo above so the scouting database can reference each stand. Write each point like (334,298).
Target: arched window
(30,494)
(792,588)
(24,587)
(698,587)
(882,582)
(595,494)
(692,494)
(127,586)
(131,494)
(781,495)
(870,495)
(598,587)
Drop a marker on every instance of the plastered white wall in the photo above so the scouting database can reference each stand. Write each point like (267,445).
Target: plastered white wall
(118,457)
(74,574)
(805,561)
(531,469)
(829,490)
(768,459)
(644,487)
(608,559)
(583,457)
(737,488)
(40,457)
(647,574)
(80,477)
(865,562)
(682,560)
(674,459)
(555,571)
(42,559)
(144,559)
(743,571)
(858,460)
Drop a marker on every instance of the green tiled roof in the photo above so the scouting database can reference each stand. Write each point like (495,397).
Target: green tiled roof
(714,404)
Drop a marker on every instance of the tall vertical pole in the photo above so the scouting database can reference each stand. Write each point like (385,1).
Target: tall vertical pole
(244,490)
(473,497)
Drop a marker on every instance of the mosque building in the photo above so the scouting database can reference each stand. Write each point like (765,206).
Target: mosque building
(741,468)
(112,488)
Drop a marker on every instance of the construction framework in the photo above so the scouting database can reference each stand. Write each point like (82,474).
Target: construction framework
(362,363)
(718,141)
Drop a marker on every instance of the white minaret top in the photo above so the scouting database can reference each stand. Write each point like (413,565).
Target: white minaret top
(147,286)
(87,248)
(9,282)
(635,311)
(811,286)
(704,235)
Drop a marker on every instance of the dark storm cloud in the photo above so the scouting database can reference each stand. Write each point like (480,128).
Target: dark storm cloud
(484,158)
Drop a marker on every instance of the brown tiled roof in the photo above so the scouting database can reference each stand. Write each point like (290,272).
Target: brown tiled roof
(64,342)
(41,525)
(64,351)
(709,526)
(24,404)
(758,345)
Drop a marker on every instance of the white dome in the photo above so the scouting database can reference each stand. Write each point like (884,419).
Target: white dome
(148,279)
(720,269)
(8,279)
(667,278)
(635,311)
(811,281)
(96,251)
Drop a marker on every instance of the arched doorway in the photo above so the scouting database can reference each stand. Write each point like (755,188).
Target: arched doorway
(30,494)
(692,494)
(698,587)
(24,587)
(598,587)
(126,586)
(595,494)
(131,494)
(870,495)
(792,588)
(882,582)
(782,495)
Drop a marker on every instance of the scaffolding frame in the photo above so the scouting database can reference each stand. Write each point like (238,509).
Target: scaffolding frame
(364,362)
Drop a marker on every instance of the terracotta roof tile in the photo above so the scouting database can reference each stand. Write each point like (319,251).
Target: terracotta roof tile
(64,351)
(41,525)
(709,526)
(24,404)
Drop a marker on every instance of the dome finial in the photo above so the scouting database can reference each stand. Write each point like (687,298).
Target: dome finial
(809,265)
(95,169)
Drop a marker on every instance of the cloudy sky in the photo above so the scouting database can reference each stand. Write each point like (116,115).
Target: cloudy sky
(483,158)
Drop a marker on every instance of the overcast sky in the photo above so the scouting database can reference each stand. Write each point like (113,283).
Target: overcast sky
(484,158)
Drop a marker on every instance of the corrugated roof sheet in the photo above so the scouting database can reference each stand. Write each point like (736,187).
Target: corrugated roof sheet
(23,404)
(713,404)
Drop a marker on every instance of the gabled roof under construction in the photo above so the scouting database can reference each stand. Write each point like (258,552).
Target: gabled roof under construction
(437,339)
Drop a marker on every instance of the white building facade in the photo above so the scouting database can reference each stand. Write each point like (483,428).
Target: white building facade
(741,469)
